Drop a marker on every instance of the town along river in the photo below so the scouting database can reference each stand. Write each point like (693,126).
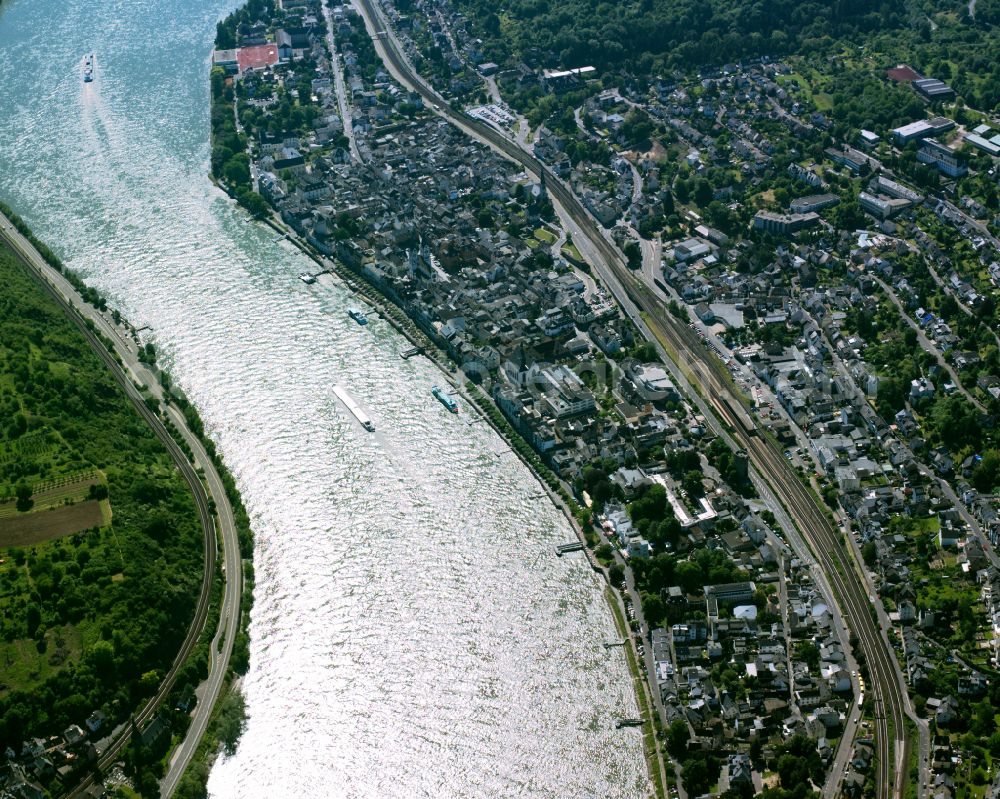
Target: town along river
(413,633)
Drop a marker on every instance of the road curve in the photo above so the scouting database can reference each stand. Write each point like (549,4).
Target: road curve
(887,694)
(83,315)
(229,615)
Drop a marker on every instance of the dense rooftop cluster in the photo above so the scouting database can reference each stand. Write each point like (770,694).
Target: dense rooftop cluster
(837,255)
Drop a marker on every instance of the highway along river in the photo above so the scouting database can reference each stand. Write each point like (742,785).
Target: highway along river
(413,633)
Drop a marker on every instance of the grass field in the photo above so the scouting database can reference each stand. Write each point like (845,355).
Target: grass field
(797,83)
(570,251)
(824,102)
(21,662)
(544,235)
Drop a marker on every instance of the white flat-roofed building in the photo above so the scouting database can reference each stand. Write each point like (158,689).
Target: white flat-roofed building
(653,382)
(915,130)
(813,202)
(558,74)
(692,250)
(868,138)
(983,144)
(922,129)
(560,80)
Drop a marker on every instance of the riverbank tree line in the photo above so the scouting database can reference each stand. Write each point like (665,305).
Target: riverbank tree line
(230,159)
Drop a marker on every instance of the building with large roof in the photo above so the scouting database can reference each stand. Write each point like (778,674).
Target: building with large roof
(902,73)
(257,57)
(933,89)
(922,129)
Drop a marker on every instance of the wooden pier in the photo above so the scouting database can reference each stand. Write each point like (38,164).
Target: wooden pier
(563,549)
(407,354)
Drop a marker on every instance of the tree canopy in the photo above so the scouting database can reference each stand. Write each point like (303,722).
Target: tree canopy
(646,34)
(87,617)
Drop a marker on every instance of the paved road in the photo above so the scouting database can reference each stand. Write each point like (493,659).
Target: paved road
(129,373)
(343,102)
(646,660)
(492,89)
(221,648)
(636,182)
(928,345)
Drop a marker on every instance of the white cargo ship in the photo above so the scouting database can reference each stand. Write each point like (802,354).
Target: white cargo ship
(354,408)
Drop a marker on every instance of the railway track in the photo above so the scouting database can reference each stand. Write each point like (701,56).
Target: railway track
(842,572)
(149,709)
(886,694)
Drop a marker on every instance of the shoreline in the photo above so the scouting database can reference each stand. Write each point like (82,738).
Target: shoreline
(657,762)
(231,585)
(187,443)
(384,307)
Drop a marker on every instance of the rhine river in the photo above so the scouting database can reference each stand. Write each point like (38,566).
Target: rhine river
(413,634)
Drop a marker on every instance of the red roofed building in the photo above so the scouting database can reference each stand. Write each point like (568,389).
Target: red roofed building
(257,57)
(903,74)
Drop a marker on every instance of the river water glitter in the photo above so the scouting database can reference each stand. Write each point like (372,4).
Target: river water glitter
(413,633)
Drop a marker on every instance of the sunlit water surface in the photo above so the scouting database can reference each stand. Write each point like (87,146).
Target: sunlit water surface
(413,633)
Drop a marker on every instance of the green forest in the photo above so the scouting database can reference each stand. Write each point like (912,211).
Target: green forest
(657,37)
(679,33)
(92,617)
